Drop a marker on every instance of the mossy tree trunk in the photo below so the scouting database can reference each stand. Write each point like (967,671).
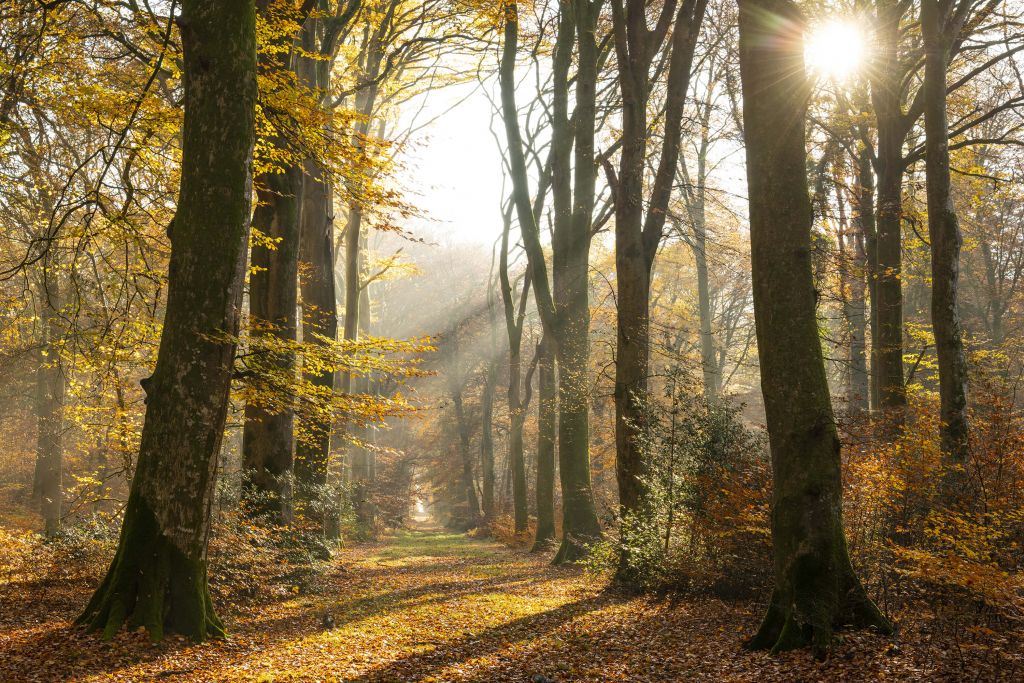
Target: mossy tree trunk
(158,577)
(816,589)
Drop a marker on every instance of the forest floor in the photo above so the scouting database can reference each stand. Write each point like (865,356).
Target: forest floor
(427,605)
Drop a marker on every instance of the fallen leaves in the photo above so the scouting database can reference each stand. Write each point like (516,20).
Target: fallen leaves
(433,606)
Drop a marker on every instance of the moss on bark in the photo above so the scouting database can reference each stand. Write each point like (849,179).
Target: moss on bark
(152,584)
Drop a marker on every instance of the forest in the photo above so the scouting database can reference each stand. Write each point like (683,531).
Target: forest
(511,340)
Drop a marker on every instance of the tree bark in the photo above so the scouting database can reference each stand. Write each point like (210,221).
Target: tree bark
(487,439)
(892,127)
(547,424)
(563,302)
(816,588)
(316,274)
(862,362)
(158,578)
(51,388)
(517,406)
(946,241)
(637,236)
(268,440)
(468,478)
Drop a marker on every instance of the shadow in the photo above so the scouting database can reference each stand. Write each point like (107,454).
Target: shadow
(65,652)
(487,642)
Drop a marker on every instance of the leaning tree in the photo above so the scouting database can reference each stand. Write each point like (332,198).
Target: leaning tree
(158,577)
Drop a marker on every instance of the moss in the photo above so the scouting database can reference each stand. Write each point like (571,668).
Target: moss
(152,584)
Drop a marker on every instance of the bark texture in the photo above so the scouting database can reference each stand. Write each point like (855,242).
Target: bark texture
(547,425)
(158,577)
(268,440)
(893,126)
(816,589)
(51,388)
(946,241)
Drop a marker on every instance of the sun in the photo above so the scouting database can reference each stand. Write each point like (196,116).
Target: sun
(835,50)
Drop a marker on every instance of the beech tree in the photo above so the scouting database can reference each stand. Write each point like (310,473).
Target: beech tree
(638,235)
(816,588)
(158,577)
(563,301)
(941,23)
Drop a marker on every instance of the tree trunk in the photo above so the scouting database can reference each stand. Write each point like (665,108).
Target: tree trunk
(319,315)
(862,365)
(316,276)
(563,303)
(158,578)
(852,288)
(268,434)
(51,387)
(468,478)
(547,424)
(888,302)
(638,235)
(946,241)
(517,406)
(816,588)
(708,357)
(487,439)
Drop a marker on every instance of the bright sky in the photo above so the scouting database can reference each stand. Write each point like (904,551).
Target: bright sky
(454,168)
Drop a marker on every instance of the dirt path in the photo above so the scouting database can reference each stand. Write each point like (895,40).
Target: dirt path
(427,605)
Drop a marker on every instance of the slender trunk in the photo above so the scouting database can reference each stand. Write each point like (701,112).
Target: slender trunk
(487,439)
(268,440)
(158,578)
(851,287)
(816,588)
(863,383)
(51,387)
(468,478)
(517,406)
(946,241)
(888,295)
(708,356)
(547,424)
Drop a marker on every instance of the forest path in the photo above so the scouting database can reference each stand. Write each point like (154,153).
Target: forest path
(431,605)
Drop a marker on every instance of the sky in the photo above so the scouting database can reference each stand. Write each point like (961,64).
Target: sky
(454,167)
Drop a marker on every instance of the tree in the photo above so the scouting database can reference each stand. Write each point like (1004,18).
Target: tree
(563,302)
(941,23)
(638,236)
(547,427)
(158,577)
(816,588)
(518,386)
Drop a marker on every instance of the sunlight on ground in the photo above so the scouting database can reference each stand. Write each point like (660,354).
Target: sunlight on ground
(835,50)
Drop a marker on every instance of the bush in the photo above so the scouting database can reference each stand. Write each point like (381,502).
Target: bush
(706,527)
